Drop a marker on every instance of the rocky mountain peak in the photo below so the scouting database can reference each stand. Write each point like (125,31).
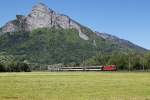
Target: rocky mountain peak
(40,7)
(41,16)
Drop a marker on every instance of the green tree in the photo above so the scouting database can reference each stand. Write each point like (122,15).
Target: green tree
(24,67)
(99,59)
(119,59)
(147,60)
(2,68)
(19,67)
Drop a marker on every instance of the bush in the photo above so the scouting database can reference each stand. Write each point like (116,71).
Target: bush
(2,68)
(25,67)
(19,67)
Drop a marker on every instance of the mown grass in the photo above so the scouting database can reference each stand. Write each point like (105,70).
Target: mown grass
(75,86)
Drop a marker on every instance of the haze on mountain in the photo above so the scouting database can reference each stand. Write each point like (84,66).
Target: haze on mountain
(47,37)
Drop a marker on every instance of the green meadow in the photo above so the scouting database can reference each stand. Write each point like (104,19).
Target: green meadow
(75,86)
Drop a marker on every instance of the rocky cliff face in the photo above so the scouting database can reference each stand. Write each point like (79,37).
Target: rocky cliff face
(41,16)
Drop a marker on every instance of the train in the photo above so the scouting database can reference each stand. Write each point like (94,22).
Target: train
(87,68)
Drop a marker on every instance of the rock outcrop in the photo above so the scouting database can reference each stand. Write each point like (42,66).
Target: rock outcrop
(41,16)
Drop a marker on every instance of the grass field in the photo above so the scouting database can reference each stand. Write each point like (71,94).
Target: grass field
(75,86)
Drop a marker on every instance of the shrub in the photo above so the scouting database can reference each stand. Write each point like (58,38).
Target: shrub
(2,68)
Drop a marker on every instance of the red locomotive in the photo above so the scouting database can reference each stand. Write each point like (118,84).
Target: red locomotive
(109,68)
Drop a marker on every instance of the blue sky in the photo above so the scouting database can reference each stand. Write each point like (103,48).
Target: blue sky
(127,19)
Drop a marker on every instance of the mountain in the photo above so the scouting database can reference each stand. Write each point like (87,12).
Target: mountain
(47,37)
(121,42)
(41,16)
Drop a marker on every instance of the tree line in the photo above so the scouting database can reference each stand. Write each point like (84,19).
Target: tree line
(125,61)
(15,67)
